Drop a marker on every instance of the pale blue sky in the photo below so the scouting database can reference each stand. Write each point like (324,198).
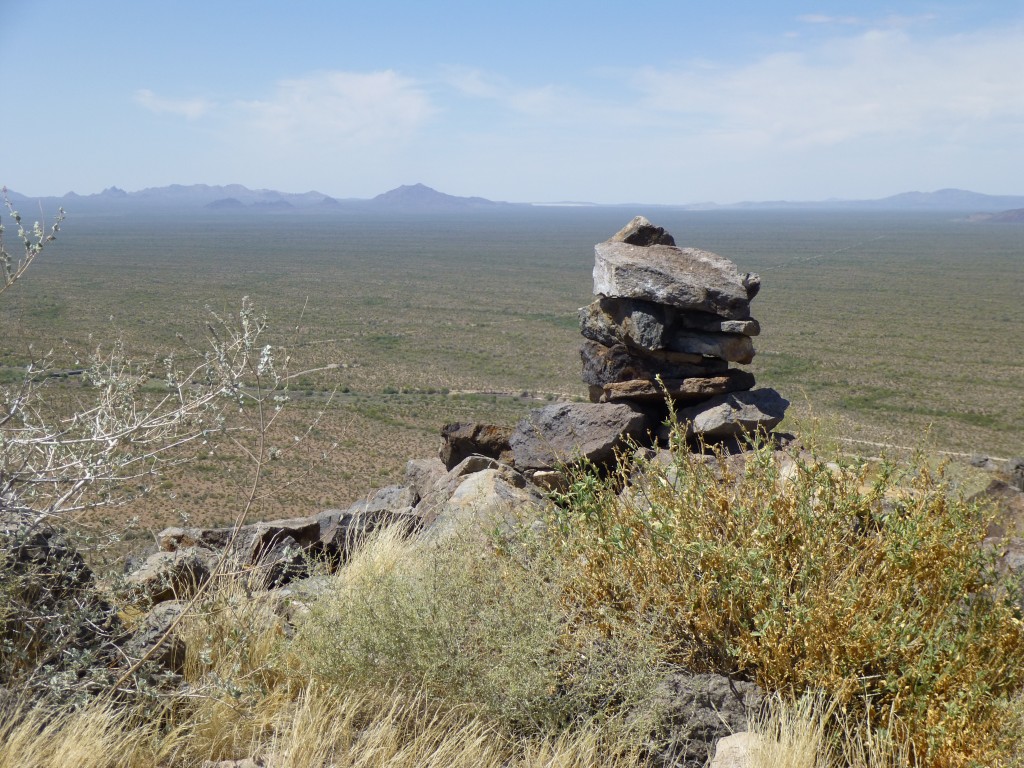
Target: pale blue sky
(663,102)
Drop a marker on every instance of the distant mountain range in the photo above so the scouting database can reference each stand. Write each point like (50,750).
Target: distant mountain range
(235,198)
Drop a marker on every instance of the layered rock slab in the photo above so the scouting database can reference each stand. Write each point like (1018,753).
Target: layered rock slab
(677,390)
(648,327)
(735,414)
(567,432)
(609,364)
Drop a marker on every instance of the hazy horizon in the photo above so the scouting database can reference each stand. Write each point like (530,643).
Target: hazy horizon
(669,103)
(173,192)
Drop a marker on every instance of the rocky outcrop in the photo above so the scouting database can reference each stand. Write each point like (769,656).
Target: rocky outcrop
(495,499)
(687,278)
(665,325)
(170,575)
(281,550)
(156,638)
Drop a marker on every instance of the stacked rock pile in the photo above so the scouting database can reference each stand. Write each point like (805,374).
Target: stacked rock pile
(668,322)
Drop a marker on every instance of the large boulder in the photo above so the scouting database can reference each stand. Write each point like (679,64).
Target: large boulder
(444,486)
(734,414)
(685,278)
(59,625)
(496,499)
(158,627)
(392,498)
(342,532)
(567,432)
(635,323)
(282,549)
(421,474)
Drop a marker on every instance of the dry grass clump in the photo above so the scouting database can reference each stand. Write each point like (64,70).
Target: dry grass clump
(252,690)
(97,737)
(869,585)
(810,733)
(477,627)
(322,727)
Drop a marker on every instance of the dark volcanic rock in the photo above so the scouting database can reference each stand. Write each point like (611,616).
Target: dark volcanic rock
(735,414)
(702,321)
(171,575)
(421,474)
(467,439)
(341,532)
(733,347)
(633,322)
(492,500)
(282,548)
(152,630)
(605,365)
(646,326)
(694,712)
(567,432)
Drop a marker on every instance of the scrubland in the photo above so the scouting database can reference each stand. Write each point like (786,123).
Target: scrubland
(890,328)
(854,590)
(857,595)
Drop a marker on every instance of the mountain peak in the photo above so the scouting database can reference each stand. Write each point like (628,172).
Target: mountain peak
(422,196)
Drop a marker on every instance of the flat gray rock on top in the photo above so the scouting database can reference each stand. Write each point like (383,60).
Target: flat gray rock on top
(684,278)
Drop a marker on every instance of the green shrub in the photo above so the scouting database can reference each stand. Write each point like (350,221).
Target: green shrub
(869,585)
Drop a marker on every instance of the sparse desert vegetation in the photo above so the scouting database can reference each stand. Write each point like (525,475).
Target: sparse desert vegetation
(856,593)
(862,599)
(894,328)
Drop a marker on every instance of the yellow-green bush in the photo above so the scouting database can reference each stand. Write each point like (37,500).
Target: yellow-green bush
(868,584)
(473,626)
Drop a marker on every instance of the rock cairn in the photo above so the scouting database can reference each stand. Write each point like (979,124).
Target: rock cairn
(669,321)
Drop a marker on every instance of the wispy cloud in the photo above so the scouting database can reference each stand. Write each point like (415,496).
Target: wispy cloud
(188,108)
(891,21)
(340,108)
(878,82)
(821,18)
(547,101)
